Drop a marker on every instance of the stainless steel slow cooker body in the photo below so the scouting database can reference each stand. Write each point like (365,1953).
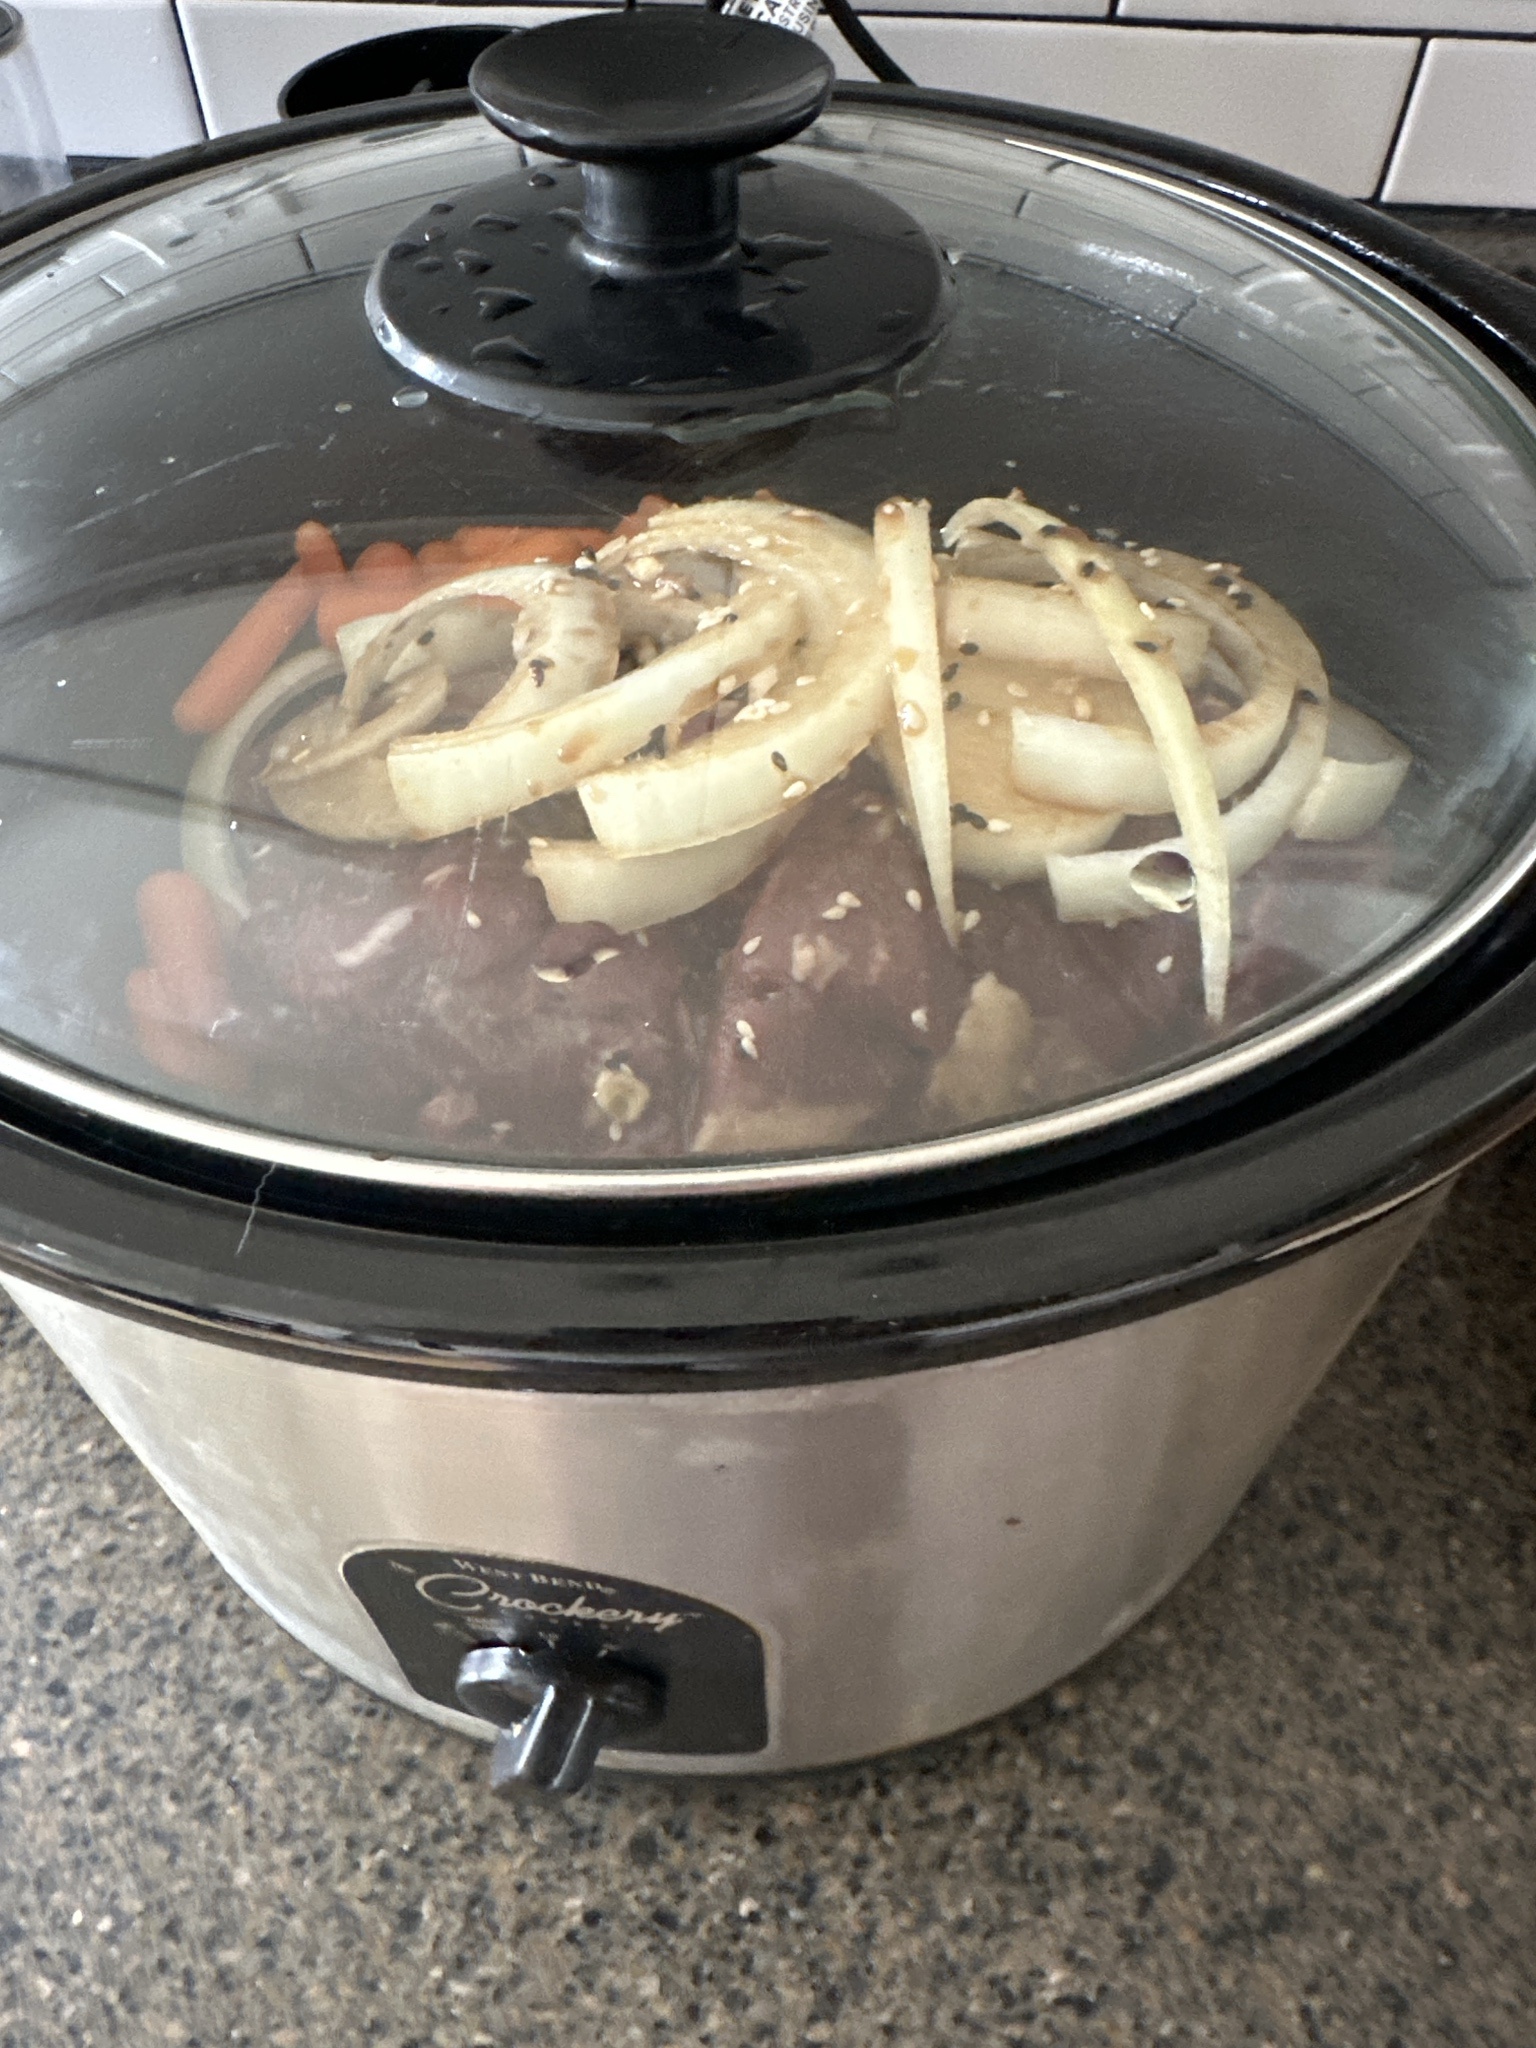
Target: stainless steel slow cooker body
(802,1460)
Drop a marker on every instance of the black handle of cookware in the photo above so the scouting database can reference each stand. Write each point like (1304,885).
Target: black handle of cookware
(659,107)
(555,1712)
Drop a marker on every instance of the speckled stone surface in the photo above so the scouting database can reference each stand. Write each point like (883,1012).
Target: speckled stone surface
(1295,1806)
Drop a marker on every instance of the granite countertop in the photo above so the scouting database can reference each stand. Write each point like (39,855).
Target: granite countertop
(1295,1806)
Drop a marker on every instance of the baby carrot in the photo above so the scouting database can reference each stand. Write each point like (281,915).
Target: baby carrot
(642,515)
(185,947)
(509,546)
(240,661)
(176,1000)
(383,578)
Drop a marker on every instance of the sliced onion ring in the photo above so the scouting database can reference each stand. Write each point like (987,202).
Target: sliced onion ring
(339,785)
(445,782)
(1142,656)
(733,778)
(830,562)
(206,851)
(904,560)
(1000,835)
(1362,770)
(373,662)
(1068,760)
(1031,622)
(1138,881)
(566,643)
(585,884)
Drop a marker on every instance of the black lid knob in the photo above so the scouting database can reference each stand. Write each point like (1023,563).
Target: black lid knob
(699,286)
(653,84)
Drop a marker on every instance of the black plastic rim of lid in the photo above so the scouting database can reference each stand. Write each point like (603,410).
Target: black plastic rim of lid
(498,1291)
(365,73)
(12,28)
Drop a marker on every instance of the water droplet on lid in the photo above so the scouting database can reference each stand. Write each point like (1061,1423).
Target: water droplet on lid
(410,398)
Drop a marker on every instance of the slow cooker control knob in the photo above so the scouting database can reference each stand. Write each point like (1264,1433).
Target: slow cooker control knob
(555,1713)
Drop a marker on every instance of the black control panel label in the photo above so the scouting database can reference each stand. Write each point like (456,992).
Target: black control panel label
(430,1606)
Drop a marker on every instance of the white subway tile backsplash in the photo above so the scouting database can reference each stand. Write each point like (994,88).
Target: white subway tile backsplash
(1017,10)
(244,51)
(1469,136)
(134,76)
(115,74)
(1463,17)
(1322,107)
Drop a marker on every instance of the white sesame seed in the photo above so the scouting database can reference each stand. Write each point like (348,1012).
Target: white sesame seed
(983,718)
(920,1019)
(914,900)
(615,1131)
(971,919)
(751,946)
(848,900)
(538,842)
(999,824)
(835,914)
(604,954)
(1147,611)
(792,791)
(555,975)
(1165,965)
(642,938)
(747,1037)
(472,919)
(804,682)
(1151,557)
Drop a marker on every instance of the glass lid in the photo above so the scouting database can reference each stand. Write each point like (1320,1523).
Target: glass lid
(1124,685)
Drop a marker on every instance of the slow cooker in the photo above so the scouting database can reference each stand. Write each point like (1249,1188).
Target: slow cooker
(761,849)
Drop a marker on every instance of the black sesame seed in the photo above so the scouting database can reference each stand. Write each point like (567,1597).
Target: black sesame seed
(962,814)
(1147,646)
(426,639)
(969,647)
(780,763)
(951,672)
(1089,569)
(1048,531)
(953,701)
(1222,582)
(1242,599)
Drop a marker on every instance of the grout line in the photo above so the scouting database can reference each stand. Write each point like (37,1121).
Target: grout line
(1402,118)
(197,83)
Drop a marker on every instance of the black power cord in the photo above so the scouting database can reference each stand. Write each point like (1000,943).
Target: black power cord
(870,53)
